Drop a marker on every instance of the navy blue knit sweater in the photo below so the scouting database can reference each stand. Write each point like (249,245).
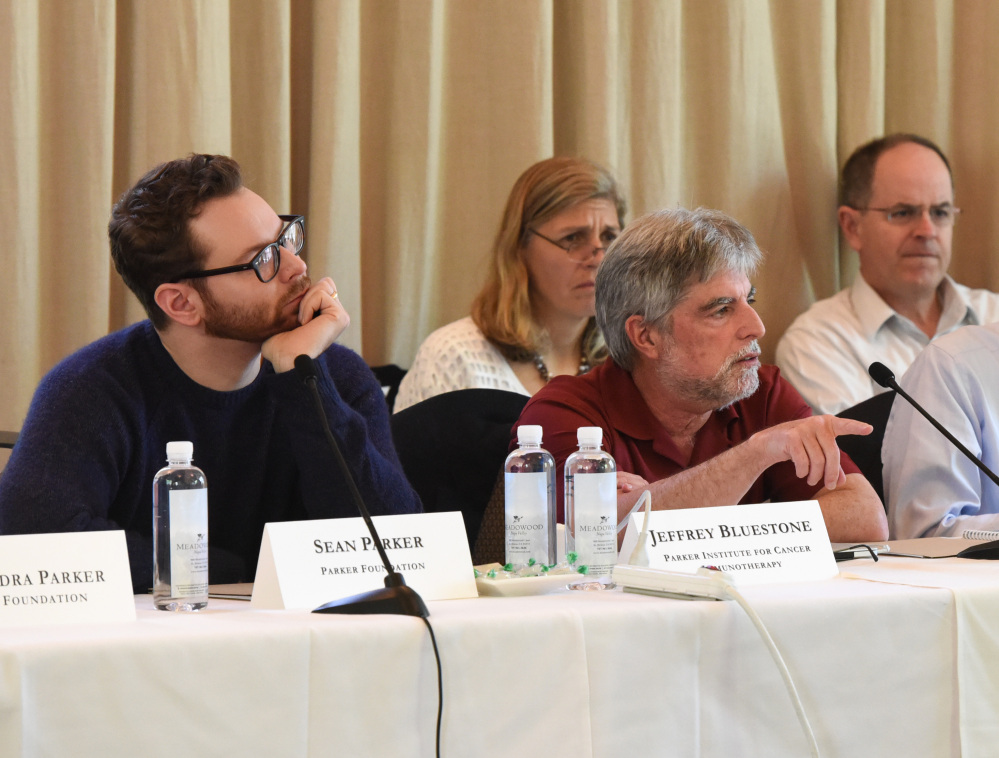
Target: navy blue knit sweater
(99,422)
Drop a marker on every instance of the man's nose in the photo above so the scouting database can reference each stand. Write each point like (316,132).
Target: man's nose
(752,327)
(924,224)
(292,265)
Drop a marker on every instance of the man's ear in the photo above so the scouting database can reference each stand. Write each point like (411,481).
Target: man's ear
(849,219)
(180,302)
(646,339)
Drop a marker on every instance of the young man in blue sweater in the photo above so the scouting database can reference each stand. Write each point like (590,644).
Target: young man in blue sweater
(230,308)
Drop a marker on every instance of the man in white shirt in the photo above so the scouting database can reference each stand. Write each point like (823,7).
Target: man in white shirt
(897,211)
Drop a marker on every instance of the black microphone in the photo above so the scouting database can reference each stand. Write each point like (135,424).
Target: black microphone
(397,597)
(883,375)
(879,372)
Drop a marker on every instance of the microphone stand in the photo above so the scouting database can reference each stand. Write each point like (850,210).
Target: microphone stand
(397,597)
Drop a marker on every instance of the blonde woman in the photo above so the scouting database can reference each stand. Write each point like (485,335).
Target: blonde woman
(534,318)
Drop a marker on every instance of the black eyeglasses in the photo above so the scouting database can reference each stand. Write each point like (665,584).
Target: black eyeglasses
(266,263)
(579,248)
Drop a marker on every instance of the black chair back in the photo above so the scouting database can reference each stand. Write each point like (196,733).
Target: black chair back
(389,376)
(453,446)
(866,451)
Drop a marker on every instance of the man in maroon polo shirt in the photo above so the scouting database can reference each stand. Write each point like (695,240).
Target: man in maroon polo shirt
(683,400)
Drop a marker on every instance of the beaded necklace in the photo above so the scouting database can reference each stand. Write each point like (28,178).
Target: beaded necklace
(539,364)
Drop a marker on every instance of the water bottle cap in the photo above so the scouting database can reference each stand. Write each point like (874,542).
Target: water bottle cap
(180,451)
(529,434)
(589,435)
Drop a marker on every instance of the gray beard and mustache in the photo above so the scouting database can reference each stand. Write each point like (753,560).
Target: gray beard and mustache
(251,324)
(732,382)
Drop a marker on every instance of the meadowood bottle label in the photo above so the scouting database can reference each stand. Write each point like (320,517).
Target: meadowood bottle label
(527,517)
(595,527)
(188,542)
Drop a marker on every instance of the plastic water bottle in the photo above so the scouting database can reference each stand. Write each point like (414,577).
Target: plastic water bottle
(180,532)
(529,484)
(591,505)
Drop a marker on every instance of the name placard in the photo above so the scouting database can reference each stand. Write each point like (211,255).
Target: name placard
(304,564)
(72,577)
(757,544)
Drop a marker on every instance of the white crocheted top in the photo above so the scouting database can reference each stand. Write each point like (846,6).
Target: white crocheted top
(456,357)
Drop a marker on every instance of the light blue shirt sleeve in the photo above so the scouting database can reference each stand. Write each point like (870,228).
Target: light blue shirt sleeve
(931,488)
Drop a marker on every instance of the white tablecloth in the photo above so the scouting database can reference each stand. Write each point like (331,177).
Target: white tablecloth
(570,675)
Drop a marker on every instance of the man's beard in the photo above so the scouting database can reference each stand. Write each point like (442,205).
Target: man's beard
(251,324)
(732,382)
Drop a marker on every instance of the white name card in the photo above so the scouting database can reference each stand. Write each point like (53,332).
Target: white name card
(304,564)
(73,577)
(757,544)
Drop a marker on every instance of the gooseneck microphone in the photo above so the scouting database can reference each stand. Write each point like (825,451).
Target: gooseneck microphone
(883,375)
(397,597)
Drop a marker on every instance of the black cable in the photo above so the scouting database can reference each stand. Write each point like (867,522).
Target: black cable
(440,684)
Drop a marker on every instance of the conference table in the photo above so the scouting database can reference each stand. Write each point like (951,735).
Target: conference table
(891,658)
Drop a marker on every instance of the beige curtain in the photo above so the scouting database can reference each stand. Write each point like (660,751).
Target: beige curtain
(398,127)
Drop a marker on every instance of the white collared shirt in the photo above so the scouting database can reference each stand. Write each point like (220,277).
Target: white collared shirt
(825,353)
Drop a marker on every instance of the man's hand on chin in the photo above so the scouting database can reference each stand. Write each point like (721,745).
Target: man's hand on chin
(322,319)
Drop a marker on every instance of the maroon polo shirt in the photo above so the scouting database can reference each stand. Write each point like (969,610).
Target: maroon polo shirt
(607,397)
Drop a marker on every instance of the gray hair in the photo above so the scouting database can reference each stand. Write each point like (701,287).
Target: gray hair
(650,267)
